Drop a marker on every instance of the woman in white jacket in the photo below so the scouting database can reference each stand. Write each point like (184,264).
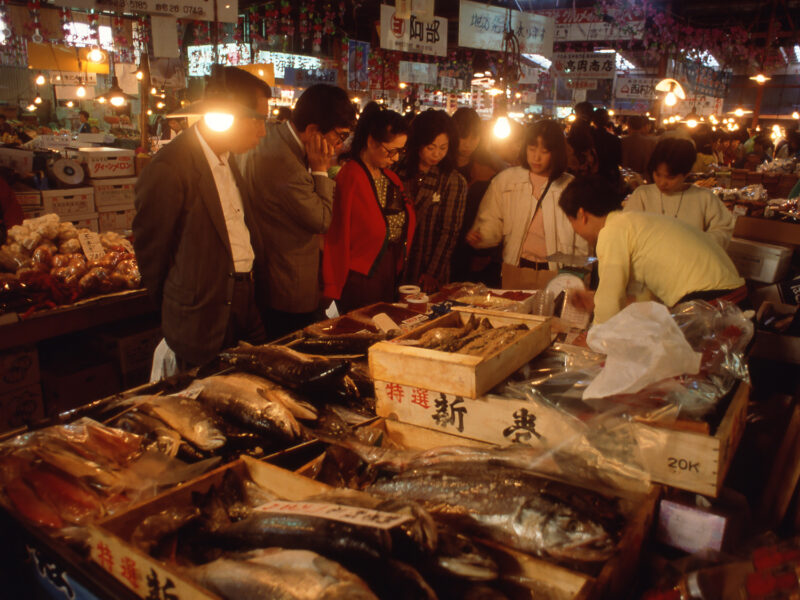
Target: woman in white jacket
(520,208)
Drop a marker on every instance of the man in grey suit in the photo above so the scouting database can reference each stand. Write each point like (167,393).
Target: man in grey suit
(194,236)
(287,177)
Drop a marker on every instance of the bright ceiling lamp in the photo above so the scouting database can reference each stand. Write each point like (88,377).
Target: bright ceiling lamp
(30,107)
(70,104)
(37,100)
(218,121)
(116,97)
(673,90)
(502,128)
(81,91)
(760,78)
(95,55)
(740,112)
(40,79)
(571,118)
(796,115)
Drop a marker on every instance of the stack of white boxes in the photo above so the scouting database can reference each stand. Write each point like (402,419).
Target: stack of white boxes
(111,172)
(73,204)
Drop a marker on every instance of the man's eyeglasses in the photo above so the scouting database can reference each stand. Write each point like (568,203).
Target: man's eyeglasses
(342,135)
(392,152)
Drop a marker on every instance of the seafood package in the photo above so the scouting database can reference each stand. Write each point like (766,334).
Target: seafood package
(43,265)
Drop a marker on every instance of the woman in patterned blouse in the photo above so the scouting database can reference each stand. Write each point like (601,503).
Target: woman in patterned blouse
(439,194)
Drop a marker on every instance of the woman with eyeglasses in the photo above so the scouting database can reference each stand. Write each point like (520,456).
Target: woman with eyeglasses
(429,173)
(373,220)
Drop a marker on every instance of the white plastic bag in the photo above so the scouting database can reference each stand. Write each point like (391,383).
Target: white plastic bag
(642,345)
(165,363)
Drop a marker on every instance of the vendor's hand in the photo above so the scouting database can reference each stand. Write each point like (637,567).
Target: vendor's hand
(428,283)
(582,299)
(474,238)
(320,153)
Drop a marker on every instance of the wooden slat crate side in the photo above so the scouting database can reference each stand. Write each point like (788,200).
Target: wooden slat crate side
(731,429)
(419,438)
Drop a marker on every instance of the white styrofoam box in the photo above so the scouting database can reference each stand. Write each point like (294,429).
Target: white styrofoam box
(19,160)
(69,202)
(88,221)
(116,193)
(116,220)
(760,261)
(102,163)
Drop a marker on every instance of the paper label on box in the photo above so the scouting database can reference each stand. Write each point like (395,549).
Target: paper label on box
(690,529)
(354,515)
(92,246)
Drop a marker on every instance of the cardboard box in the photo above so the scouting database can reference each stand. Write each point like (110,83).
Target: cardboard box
(458,374)
(114,194)
(67,203)
(72,383)
(88,221)
(19,367)
(116,220)
(767,230)
(27,196)
(17,159)
(102,163)
(132,346)
(760,261)
(21,406)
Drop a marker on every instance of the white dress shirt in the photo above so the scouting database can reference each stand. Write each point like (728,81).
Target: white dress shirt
(231,200)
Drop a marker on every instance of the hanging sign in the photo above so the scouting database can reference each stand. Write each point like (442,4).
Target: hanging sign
(584,64)
(413,34)
(702,106)
(357,65)
(282,61)
(72,78)
(304,78)
(199,10)
(415,72)
(702,80)
(636,88)
(581,84)
(483,26)
(530,75)
(585,24)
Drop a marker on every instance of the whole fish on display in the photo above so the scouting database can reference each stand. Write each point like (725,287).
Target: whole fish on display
(186,416)
(249,384)
(287,367)
(513,507)
(343,343)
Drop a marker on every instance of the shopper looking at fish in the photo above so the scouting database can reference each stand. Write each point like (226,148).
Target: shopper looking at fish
(287,176)
(373,218)
(439,193)
(676,261)
(670,195)
(520,208)
(193,230)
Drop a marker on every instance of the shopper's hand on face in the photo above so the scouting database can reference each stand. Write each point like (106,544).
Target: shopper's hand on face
(582,299)
(474,238)
(320,153)
(428,283)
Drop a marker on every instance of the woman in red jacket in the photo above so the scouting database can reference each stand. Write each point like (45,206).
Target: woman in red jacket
(373,219)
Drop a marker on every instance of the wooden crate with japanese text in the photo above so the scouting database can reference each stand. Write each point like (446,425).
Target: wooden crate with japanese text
(462,375)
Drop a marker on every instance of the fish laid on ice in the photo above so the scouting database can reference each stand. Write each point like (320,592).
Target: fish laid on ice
(282,575)
(513,507)
(187,417)
(241,403)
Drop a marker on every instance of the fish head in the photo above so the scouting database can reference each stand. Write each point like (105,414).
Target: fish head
(421,529)
(458,555)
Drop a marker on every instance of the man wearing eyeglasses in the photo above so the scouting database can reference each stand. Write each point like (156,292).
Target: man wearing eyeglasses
(287,175)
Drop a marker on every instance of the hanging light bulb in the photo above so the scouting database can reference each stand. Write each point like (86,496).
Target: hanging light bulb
(796,115)
(665,122)
(101,99)
(37,100)
(149,112)
(40,79)
(218,121)
(95,55)
(739,112)
(502,128)
(58,77)
(70,104)
(692,123)
(160,105)
(81,91)
(30,107)
(403,85)
(139,74)
(610,112)
(670,99)
(570,118)
(760,78)
(153,91)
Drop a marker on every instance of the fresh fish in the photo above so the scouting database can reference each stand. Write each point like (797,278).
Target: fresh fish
(287,367)
(458,556)
(154,431)
(242,404)
(280,575)
(493,340)
(69,498)
(64,460)
(30,506)
(513,507)
(154,528)
(297,405)
(344,343)
(186,416)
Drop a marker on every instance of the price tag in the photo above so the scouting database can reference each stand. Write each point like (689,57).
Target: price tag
(92,246)
(336,512)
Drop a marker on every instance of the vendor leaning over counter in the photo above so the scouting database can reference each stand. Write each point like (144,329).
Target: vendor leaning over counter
(676,261)
(193,235)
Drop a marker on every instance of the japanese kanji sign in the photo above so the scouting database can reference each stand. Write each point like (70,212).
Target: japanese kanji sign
(414,72)
(335,512)
(701,80)
(200,10)
(483,26)
(593,65)
(636,88)
(585,24)
(413,34)
(581,84)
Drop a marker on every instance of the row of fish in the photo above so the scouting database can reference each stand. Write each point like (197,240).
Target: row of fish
(477,337)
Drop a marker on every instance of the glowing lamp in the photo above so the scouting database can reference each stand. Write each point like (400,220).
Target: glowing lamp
(218,121)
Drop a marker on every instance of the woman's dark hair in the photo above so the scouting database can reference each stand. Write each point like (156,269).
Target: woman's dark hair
(678,154)
(552,137)
(593,193)
(425,128)
(323,105)
(468,122)
(84,113)
(380,123)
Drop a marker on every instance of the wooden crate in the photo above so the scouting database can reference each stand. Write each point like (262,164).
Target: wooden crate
(670,454)
(458,374)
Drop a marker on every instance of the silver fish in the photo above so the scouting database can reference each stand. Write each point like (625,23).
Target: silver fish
(186,416)
(296,404)
(280,574)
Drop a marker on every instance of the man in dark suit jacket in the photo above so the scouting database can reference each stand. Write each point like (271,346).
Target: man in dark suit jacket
(287,178)
(194,236)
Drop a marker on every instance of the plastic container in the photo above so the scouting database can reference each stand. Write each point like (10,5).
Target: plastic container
(418,302)
(404,291)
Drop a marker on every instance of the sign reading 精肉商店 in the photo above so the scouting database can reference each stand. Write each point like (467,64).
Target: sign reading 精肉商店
(413,34)
(593,65)
(483,26)
(199,10)
(636,88)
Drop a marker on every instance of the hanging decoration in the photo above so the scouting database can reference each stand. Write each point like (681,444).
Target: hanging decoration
(271,21)
(256,23)
(316,43)
(303,27)
(287,25)
(330,20)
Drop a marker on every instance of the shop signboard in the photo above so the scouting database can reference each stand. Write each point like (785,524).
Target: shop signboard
(636,88)
(416,72)
(589,65)
(72,78)
(702,105)
(414,34)
(281,61)
(303,78)
(581,84)
(357,65)
(585,24)
(202,57)
(483,26)
(701,80)
(198,10)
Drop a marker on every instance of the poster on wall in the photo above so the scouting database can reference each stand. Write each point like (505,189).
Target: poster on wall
(414,34)
(585,24)
(483,26)
(357,65)
(592,65)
